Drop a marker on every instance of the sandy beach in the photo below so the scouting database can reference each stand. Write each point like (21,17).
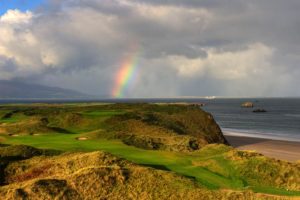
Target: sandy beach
(283,150)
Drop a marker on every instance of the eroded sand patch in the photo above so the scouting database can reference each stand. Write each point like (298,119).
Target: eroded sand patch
(2,131)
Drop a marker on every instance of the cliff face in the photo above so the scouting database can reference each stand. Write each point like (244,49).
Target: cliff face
(167,127)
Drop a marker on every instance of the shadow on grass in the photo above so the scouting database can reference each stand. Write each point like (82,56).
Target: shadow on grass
(61,130)
(160,167)
(164,168)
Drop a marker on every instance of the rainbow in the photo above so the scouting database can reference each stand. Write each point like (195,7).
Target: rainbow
(126,74)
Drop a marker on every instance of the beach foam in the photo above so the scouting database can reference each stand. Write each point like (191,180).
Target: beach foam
(262,135)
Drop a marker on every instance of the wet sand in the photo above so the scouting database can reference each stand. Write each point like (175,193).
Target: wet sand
(283,150)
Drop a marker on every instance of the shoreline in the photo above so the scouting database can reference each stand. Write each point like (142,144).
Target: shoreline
(261,135)
(278,149)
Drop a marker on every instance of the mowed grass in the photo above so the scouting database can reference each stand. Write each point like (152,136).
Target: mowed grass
(181,163)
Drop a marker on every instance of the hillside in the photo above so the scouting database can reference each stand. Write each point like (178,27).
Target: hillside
(98,175)
(135,151)
(16,89)
(148,126)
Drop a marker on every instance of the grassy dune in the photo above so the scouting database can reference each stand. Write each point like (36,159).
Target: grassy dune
(98,175)
(213,166)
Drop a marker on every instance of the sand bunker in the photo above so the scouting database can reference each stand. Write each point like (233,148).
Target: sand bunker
(82,138)
(13,135)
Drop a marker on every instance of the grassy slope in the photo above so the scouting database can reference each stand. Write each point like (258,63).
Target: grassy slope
(209,166)
(97,175)
(174,161)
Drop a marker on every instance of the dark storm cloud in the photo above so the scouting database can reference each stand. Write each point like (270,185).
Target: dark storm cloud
(209,47)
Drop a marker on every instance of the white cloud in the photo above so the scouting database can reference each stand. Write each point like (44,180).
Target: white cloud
(21,45)
(173,16)
(227,65)
(16,17)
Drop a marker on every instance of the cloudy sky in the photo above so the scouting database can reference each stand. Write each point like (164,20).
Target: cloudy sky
(174,47)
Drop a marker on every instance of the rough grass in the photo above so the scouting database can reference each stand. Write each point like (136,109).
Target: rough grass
(11,119)
(96,114)
(98,175)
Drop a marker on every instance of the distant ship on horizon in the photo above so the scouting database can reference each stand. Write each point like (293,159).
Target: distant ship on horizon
(210,97)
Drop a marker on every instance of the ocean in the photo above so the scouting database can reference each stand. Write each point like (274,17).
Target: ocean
(281,121)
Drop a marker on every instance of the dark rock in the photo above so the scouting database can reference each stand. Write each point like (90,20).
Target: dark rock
(259,111)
